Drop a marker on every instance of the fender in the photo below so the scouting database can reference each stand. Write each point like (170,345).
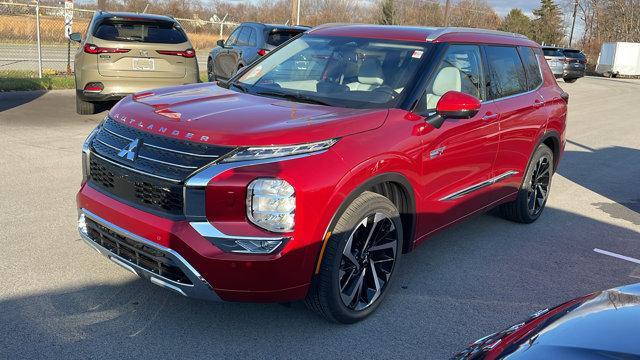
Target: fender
(352,185)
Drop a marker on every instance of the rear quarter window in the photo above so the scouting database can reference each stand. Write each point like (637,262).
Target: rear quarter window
(506,72)
(158,32)
(531,67)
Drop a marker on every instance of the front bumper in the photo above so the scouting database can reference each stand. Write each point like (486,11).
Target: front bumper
(196,286)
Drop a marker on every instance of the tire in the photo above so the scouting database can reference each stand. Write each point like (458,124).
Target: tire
(328,296)
(211,76)
(85,107)
(520,210)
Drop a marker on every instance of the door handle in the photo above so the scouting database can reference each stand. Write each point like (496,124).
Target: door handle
(489,117)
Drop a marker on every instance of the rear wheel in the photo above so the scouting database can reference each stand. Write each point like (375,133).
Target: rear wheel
(85,107)
(534,192)
(570,80)
(359,260)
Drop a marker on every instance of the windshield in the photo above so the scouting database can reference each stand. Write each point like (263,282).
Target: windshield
(337,71)
(552,52)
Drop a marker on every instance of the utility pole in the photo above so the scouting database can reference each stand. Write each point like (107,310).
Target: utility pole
(447,8)
(573,24)
(295,12)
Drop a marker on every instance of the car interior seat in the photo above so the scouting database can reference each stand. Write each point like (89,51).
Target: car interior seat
(448,79)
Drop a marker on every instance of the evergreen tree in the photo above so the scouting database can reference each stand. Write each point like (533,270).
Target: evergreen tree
(517,22)
(388,10)
(547,24)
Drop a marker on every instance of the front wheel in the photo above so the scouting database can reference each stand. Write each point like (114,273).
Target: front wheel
(359,260)
(211,76)
(534,192)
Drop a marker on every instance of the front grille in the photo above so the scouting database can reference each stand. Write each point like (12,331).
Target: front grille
(155,177)
(156,194)
(136,253)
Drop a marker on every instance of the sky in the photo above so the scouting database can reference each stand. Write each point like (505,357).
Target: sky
(502,7)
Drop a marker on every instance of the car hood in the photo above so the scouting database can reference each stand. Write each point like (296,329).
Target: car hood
(598,326)
(211,114)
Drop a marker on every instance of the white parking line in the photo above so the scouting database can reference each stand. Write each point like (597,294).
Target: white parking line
(612,254)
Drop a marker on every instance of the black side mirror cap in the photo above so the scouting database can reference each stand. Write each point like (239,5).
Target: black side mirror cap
(220,43)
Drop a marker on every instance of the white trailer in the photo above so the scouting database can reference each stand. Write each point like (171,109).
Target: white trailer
(619,58)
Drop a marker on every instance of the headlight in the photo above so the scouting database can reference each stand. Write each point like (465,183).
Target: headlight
(267,152)
(271,204)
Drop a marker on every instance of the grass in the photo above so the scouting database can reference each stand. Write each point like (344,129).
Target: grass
(11,83)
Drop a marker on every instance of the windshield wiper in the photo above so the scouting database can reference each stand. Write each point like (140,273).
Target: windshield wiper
(238,86)
(294,97)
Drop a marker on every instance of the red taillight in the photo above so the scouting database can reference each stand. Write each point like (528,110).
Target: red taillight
(189,53)
(263,52)
(94,87)
(565,97)
(94,49)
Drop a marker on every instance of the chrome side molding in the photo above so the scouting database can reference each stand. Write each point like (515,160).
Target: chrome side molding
(460,193)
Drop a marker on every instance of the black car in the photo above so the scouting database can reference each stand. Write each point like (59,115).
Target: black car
(575,63)
(247,42)
(603,325)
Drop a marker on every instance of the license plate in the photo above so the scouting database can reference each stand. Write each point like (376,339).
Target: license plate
(576,65)
(143,64)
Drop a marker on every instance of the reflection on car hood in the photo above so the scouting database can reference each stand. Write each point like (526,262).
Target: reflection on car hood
(602,325)
(211,114)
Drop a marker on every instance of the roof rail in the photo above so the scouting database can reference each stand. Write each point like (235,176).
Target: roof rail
(453,30)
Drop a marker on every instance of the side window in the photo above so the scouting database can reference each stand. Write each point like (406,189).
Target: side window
(253,41)
(531,67)
(459,70)
(506,72)
(243,38)
(233,38)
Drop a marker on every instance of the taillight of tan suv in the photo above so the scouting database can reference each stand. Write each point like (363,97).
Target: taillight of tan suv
(124,53)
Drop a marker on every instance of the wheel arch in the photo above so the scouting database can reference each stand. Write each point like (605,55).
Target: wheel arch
(551,138)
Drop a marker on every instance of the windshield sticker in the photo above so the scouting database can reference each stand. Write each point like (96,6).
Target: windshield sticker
(417,54)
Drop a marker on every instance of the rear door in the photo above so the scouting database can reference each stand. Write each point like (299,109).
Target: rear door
(514,75)
(458,157)
(134,48)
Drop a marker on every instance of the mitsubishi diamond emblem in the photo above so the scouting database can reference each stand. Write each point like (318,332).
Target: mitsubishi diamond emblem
(144,53)
(130,152)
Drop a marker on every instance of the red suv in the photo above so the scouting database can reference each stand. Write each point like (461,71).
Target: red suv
(309,173)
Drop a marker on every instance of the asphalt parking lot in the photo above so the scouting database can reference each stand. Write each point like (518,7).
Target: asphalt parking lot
(60,299)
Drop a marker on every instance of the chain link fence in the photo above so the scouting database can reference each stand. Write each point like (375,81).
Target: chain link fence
(32,41)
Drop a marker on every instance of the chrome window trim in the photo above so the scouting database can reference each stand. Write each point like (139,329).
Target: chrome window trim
(526,92)
(200,287)
(460,193)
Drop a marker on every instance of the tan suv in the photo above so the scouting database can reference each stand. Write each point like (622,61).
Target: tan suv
(124,53)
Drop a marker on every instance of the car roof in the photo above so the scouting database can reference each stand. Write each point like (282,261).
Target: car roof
(424,34)
(132,16)
(275,26)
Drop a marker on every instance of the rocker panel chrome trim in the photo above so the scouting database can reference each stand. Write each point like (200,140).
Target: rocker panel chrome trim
(460,193)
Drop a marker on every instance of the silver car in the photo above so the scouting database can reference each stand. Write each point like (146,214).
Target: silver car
(555,59)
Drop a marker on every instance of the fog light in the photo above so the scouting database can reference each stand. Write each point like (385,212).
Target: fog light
(249,246)
(271,204)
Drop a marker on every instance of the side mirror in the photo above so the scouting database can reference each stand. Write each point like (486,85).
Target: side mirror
(76,36)
(454,105)
(220,43)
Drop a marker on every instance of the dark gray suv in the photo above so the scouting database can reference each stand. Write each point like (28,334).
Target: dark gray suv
(247,42)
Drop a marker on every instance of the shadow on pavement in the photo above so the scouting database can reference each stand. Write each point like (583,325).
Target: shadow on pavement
(9,100)
(462,284)
(613,172)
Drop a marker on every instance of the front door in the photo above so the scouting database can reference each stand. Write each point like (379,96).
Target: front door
(457,160)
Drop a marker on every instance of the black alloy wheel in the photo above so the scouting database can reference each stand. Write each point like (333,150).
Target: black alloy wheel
(538,191)
(367,261)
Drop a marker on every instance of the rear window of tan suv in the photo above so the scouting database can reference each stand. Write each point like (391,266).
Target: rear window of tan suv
(158,32)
